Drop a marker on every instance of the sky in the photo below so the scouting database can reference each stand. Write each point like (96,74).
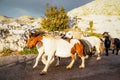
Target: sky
(35,8)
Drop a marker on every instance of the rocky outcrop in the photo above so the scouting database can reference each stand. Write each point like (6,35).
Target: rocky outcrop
(14,42)
(14,31)
(13,60)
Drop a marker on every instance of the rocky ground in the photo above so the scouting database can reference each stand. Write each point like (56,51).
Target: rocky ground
(21,69)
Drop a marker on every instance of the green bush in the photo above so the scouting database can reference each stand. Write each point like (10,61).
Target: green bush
(55,19)
(29,51)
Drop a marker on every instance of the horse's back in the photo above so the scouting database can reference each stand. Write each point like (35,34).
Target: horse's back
(49,44)
(93,40)
(63,48)
(117,42)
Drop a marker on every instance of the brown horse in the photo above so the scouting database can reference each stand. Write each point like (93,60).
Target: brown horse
(92,44)
(50,46)
(111,43)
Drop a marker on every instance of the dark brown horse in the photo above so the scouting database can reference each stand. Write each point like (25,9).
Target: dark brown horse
(111,43)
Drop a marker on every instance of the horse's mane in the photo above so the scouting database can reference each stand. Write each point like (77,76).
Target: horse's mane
(36,34)
(107,35)
(48,36)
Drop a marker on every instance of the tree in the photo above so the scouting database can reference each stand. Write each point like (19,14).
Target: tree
(55,19)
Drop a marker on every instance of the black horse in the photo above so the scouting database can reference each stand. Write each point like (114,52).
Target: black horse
(111,43)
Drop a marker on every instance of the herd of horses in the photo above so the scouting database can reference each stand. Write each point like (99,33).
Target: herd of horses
(50,47)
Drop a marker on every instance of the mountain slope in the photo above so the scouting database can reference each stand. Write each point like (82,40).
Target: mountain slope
(98,7)
(105,15)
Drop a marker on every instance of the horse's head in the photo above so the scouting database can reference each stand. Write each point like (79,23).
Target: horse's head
(105,35)
(69,34)
(74,34)
(33,40)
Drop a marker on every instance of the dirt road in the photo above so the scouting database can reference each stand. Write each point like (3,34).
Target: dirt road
(106,69)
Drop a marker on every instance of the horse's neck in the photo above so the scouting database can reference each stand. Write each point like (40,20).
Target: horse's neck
(38,45)
(110,38)
(38,41)
(67,39)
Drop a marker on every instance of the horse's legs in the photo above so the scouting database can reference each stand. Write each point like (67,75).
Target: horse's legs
(40,50)
(117,51)
(50,57)
(44,59)
(58,61)
(73,56)
(117,48)
(106,50)
(80,54)
(113,51)
(98,53)
(83,62)
(51,61)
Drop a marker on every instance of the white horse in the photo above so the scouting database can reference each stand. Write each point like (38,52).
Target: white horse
(93,40)
(50,47)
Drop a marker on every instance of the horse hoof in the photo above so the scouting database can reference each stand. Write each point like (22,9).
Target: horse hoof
(106,54)
(86,57)
(98,58)
(57,65)
(81,67)
(68,67)
(43,72)
(34,67)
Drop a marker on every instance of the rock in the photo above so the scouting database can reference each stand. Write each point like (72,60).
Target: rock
(8,60)
(12,60)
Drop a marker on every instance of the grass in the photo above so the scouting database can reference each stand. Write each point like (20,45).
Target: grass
(29,51)
(25,51)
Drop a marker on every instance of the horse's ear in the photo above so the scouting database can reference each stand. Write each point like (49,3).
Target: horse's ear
(31,35)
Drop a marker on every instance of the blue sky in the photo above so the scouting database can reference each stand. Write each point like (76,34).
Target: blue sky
(35,8)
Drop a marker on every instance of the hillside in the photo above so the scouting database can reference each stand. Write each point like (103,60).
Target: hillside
(19,20)
(105,15)
(98,7)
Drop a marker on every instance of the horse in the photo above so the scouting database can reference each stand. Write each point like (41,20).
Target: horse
(111,43)
(94,44)
(50,46)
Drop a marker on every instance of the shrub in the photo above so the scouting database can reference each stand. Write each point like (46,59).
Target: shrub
(29,51)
